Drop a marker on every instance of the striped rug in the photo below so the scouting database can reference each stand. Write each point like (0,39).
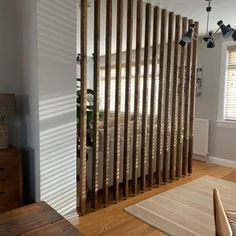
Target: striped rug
(188,209)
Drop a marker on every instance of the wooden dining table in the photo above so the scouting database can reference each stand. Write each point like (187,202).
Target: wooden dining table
(36,219)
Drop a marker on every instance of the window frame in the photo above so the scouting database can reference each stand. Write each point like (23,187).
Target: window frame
(221,122)
(123,77)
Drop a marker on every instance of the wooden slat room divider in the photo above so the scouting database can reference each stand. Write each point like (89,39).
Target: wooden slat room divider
(145,98)
(159,156)
(153,143)
(116,176)
(137,96)
(187,85)
(96,84)
(167,123)
(192,100)
(126,169)
(153,119)
(180,105)
(107,102)
(83,109)
(174,110)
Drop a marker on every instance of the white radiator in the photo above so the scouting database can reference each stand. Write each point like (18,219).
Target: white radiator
(201,137)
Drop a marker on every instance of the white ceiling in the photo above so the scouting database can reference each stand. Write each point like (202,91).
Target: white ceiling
(196,9)
(193,9)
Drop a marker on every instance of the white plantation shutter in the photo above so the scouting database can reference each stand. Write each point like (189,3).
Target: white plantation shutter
(230,87)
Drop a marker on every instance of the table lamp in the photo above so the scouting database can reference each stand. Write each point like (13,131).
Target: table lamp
(7,108)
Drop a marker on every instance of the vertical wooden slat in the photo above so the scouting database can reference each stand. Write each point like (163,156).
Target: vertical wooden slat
(160,98)
(153,94)
(116,171)
(127,96)
(145,98)
(174,119)
(192,100)
(96,103)
(83,108)
(137,96)
(107,101)
(180,104)
(186,106)
(167,123)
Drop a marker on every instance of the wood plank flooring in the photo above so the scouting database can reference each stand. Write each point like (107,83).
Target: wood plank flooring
(113,220)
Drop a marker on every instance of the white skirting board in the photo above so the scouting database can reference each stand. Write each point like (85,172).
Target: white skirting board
(216,160)
(201,158)
(222,162)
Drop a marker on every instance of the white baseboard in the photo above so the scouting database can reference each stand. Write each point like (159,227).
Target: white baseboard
(222,162)
(201,158)
(215,160)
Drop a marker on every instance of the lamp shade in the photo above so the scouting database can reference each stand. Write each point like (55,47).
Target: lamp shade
(210,44)
(187,38)
(234,32)
(7,105)
(226,31)
(234,35)
(182,43)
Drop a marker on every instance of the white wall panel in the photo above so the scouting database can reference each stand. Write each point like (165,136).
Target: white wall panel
(57,102)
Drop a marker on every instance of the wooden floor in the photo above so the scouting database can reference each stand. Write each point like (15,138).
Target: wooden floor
(113,220)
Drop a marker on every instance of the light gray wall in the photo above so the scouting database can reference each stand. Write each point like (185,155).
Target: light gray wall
(56,24)
(9,70)
(222,141)
(27,58)
(37,62)
(17,68)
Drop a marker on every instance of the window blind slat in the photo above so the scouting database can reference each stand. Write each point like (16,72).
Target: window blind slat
(230,87)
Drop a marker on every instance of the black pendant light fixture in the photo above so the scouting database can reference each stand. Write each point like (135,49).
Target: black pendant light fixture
(211,37)
(187,38)
(226,31)
(234,32)
(210,40)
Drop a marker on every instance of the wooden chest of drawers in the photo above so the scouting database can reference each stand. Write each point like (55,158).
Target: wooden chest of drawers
(10,179)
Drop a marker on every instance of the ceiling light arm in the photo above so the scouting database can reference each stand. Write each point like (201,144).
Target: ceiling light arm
(196,36)
(219,36)
(216,31)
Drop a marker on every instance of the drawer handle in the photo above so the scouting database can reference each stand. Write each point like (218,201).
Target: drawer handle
(1,169)
(1,193)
